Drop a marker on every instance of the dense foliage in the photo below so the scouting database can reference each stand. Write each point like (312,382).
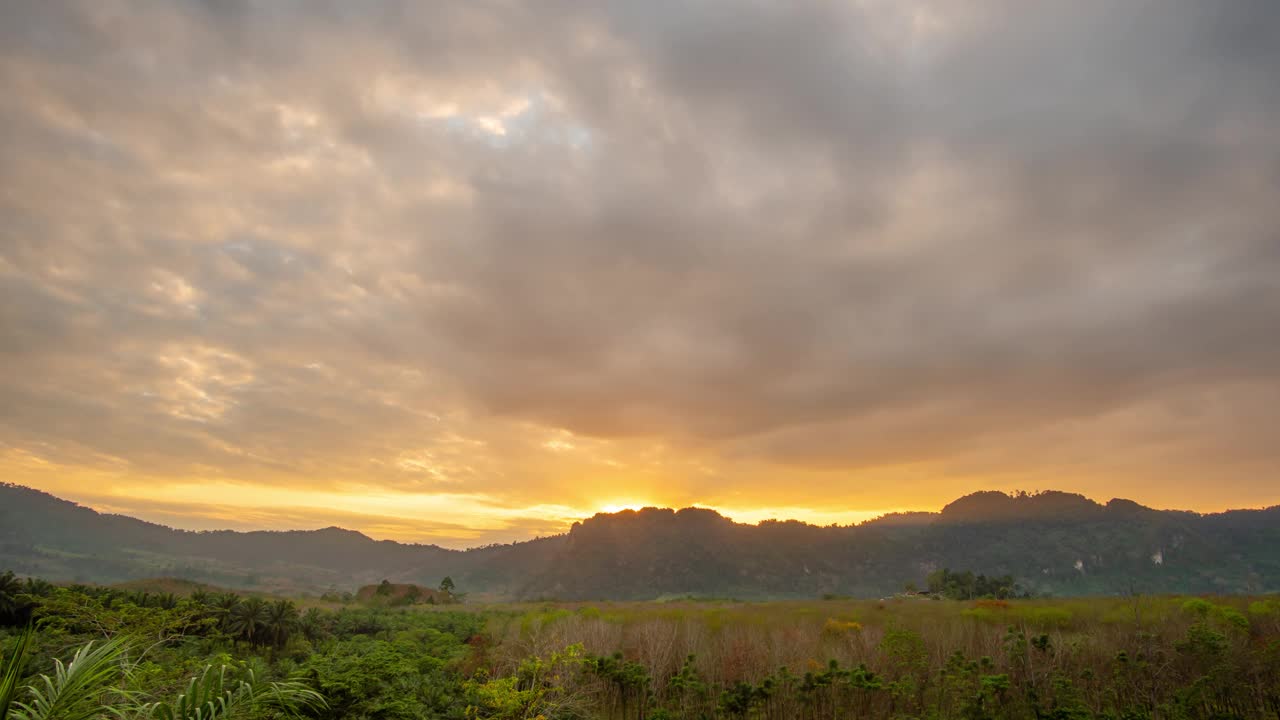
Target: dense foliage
(215,655)
(139,653)
(967,586)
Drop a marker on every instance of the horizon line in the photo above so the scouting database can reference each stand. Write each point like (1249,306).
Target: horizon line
(720,512)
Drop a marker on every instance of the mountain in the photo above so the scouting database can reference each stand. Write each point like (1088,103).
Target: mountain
(1052,543)
(46,536)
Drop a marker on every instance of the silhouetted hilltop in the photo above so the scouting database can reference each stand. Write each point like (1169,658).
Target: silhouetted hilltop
(903,519)
(1052,542)
(993,506)
(1119,507)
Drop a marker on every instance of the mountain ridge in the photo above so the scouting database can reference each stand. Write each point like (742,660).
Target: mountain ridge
(1053,542)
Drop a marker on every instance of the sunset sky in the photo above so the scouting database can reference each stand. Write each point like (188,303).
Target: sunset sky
(464,272)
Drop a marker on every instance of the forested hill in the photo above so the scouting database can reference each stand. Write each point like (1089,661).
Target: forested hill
(1053,543)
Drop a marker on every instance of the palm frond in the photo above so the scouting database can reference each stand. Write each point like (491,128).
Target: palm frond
(205,698)
(76,689)
(13,667)
(215,695)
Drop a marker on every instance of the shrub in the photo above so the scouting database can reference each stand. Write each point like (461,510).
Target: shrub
(840,628)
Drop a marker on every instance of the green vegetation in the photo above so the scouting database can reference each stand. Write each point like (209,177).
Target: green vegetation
(967,586)
(99,681)
(96,652)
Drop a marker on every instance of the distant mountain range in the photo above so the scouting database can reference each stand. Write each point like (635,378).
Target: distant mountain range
(1053,543)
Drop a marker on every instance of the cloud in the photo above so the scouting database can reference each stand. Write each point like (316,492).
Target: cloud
(892,251)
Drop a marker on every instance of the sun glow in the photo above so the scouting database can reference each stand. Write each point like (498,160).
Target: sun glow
(620,505)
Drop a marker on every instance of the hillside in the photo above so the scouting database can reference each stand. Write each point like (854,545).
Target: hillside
(1053,543)
(49,537)
(167,586)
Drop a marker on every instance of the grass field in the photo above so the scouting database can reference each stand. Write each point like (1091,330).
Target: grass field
(1098,657)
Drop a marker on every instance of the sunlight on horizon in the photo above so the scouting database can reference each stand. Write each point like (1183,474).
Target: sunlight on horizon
(452,520)
(620,505)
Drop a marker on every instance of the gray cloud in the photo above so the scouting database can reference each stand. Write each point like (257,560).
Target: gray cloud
(300,241)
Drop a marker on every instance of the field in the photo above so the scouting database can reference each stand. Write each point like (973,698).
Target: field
(1136,657)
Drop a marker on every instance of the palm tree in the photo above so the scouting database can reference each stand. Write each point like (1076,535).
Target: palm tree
(39,587)
(282,619)
(248,619)
(223,605)
(312,624)
(14,600)
(10,588)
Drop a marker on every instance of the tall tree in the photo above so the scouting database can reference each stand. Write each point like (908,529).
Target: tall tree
(15,601)
(313,625)
(248,620)
(223,607)
(10,588)
(281,621)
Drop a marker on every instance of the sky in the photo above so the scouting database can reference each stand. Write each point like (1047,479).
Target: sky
(464,272)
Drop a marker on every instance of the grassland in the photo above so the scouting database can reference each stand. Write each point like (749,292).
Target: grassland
(1102,657)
